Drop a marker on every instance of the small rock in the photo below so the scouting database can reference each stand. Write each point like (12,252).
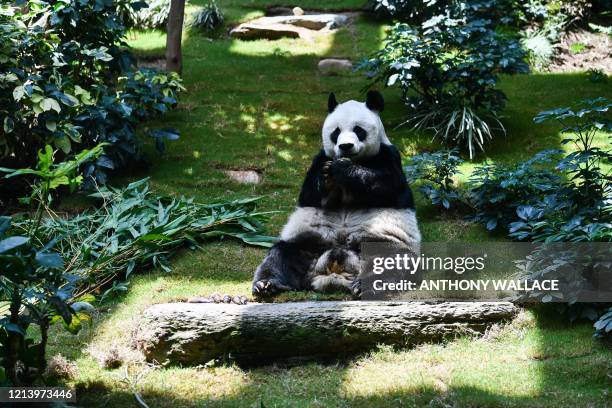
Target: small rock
(297,11)
(244,176)
(334,66)
(239,300)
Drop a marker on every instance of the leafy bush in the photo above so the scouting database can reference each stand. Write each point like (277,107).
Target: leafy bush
(412,11)
(135,229)
(60,64)
(546,198)
(35,290)
(540,47)
(603,325)
(541,10)
(581,208)
(447,67)
(150,93)
(497,191)
(418,11)
(544,24)
(209,19)
(437,171)
(143,14)
(33,282)
(549,198)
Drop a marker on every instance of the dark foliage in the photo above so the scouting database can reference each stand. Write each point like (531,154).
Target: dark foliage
(436,170)
(209,19)
(67,80)
(553,197)
(447,64)
(34,291)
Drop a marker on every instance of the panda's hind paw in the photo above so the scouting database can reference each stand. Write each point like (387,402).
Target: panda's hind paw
(266,288)
(356,288)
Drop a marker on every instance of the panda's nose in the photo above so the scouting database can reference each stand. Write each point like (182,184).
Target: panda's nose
(345,147)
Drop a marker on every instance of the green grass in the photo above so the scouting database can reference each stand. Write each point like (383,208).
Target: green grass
(261,105)
(577,48)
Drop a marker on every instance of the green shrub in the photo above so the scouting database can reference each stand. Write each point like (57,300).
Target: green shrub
(549,198)
(35,290)
(136,229)
(603,325)
(132,230)
(447,68)
(581,208)
(495,191)
(144,14)
(540,48)
(34,282)
(544,24)
(209,19)
(436,171)
(67,80)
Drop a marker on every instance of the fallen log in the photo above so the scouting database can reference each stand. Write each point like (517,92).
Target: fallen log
(256,333)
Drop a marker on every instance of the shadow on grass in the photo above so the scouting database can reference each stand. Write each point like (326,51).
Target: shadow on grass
(249,397)
(560,372)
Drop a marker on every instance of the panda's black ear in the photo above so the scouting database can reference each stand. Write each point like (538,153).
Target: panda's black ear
(331,102)
(375,101)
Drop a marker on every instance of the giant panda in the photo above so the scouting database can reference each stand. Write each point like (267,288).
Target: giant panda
(355,191)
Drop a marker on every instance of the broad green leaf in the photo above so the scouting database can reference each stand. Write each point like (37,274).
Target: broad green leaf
(18,93)
(12,243)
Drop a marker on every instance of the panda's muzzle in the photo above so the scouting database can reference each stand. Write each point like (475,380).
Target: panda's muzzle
(346,147)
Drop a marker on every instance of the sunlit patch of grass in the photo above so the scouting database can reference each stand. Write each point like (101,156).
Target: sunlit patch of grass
(527,362)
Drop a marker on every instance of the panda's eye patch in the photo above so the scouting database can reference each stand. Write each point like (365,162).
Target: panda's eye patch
(334,135)
(360,132)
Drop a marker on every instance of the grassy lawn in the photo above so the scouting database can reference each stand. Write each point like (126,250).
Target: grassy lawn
(260,105)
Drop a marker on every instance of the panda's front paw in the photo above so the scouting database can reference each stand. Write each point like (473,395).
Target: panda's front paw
(356,288)
(268,287)
(328,179)
(340,167)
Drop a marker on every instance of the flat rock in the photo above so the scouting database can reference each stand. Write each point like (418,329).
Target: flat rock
(250,31)
(310,21)
(259,333)
(334,66)
(292,26)
(244,176)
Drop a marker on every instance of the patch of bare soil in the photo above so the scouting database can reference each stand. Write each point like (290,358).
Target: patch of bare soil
(582,50)
(159,64)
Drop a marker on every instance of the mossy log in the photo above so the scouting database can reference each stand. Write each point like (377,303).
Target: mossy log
(256,333)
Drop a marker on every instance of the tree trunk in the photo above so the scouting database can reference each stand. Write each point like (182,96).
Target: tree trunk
(174,58)
(192,333)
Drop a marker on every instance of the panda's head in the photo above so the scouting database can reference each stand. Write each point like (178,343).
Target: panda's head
(353,129)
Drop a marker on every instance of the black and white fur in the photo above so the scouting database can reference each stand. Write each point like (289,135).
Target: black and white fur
(355,191)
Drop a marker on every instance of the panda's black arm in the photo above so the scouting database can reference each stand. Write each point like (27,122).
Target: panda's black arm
(311,194)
